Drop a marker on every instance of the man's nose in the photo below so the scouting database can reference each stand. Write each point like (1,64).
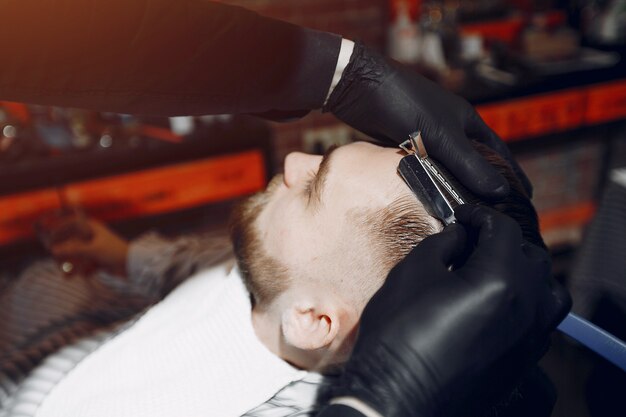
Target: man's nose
(299,167)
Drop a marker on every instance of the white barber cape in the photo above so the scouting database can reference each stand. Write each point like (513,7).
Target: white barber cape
(193,354)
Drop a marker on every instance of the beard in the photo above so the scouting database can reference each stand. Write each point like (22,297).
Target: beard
(243,218)
(263,275)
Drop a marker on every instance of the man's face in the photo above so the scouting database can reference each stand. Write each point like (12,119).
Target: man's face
(308,219)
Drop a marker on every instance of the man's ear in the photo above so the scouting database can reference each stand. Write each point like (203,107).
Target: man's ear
(307,327)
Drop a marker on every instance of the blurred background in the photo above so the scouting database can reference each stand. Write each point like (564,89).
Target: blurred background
(548,76)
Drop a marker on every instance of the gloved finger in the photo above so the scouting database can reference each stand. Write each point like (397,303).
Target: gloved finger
(442,248)
(408,279)
(433,254)
(539,264)
(556,306)
(479,130)
(552,305)
(536,253)
(519,172)
(468,166)
(497,233)
(552,308)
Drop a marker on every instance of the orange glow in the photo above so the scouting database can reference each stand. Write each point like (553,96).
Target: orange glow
(556,112)
(17,110)
(574,215)
(147,192)
(535,115)
(606,102)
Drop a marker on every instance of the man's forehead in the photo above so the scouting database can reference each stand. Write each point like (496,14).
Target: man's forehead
(363,171)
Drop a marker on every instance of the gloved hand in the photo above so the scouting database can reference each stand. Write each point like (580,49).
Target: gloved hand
(388,102)
(435,342)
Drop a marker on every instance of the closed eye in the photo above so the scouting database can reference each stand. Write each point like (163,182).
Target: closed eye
(316,179)
(309,184)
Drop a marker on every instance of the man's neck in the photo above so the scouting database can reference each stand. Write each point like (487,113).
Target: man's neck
(266,331)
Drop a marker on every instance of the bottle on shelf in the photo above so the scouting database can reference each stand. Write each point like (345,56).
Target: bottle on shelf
(404,41)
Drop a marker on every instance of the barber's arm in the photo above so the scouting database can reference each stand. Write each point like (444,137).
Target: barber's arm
(161,57)
(453,343)
(190,57)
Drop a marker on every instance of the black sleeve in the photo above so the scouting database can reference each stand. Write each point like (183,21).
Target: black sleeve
(160,57)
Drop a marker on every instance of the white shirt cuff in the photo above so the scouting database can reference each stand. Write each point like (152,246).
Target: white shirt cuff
(356,404)
(342,62)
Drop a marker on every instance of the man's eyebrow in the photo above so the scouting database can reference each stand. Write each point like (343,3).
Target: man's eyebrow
(320,178)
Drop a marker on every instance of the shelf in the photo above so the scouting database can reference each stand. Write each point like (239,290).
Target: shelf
(544,114)
(159,147)
(508,29)
(137,194)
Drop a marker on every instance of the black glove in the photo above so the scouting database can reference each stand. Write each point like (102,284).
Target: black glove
(388,102)
(435,342)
